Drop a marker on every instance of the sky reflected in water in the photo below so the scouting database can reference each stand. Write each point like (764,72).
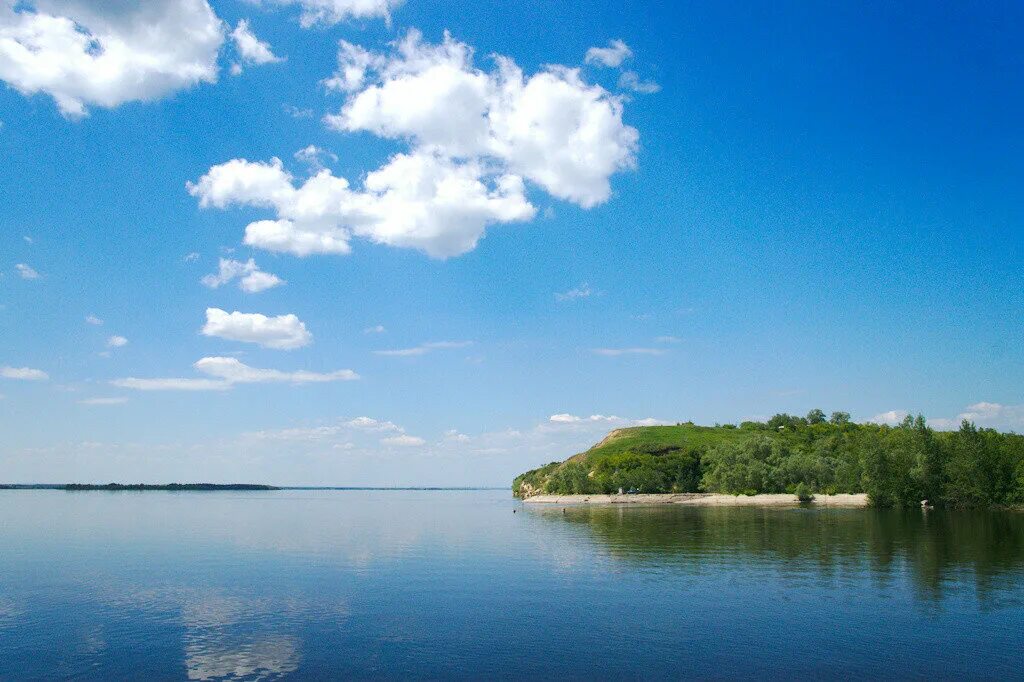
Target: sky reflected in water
(307,584)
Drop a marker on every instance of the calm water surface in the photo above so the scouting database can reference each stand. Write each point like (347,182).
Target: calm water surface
(397,584)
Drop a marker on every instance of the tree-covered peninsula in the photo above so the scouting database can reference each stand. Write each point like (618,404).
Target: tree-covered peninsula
(895,465)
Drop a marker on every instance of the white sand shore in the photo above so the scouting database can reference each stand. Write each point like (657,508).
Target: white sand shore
(705,500)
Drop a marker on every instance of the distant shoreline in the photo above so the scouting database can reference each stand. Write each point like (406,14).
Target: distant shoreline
(204,487)
(704,500)
(136,487)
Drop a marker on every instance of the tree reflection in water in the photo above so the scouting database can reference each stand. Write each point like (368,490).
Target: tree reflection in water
(937,549)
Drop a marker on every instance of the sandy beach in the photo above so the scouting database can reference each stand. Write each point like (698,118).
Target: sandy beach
(705,500)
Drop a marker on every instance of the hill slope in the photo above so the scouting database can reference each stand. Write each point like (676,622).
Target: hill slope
(895,465)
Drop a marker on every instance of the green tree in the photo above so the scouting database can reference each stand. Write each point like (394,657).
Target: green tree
(815,416)
(839,418)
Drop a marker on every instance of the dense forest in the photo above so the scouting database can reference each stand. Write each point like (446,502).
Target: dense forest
(895,465)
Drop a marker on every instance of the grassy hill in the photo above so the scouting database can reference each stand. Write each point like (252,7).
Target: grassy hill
(899,465)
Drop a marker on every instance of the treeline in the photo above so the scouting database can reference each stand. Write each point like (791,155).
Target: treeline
(202,487)
(895,466)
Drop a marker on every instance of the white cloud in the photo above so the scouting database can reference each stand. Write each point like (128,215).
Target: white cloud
(171,384)
(667,339)
(23,373)
(628,351)
(250,278)
(371,424)
(418,200)
(565,418)
(551,128)
(611,56)
(296,112)
(227,372)
(582,291)
(333,11)
(453,436)
(234,371)
(26,272)
(28,239)
(650,421)
(404,441)
(191,257)
(251,49)
(984,414)
(314,156)
(106,53)
(475,137)
(117,342)
(353,64)
(93,320)
(283,332)
(630,80)
(103,401)
(892,417)
(423,348)
(991,414)
(375,329)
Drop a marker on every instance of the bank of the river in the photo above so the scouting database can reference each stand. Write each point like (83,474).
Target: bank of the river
(705,500)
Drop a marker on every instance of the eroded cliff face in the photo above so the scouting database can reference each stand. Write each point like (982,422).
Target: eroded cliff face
(526,490)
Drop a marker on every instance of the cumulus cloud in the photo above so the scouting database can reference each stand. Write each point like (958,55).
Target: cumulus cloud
(117,342)
(283,332)
(891,418)
(227,372)
(612,352)
(250,278)
(330,12)
(984,414)
(582,291)
(371,424)
(103,54)
(423,348)
(26,272)
(991,414)
(251,49)
(375,329)
(23,373)
(93,320)
(475,139)
(551,128)
(611,56)
(419,200)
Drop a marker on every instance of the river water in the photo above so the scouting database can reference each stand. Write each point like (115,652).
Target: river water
(453,584)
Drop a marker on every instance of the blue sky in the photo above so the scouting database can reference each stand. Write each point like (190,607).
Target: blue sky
(726,212)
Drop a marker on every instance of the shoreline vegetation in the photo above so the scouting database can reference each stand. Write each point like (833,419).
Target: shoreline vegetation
(802,459)
(707,500)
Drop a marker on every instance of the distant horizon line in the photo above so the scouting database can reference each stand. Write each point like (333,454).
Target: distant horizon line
(222,486)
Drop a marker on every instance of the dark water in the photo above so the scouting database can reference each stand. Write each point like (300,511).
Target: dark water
(361,584)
